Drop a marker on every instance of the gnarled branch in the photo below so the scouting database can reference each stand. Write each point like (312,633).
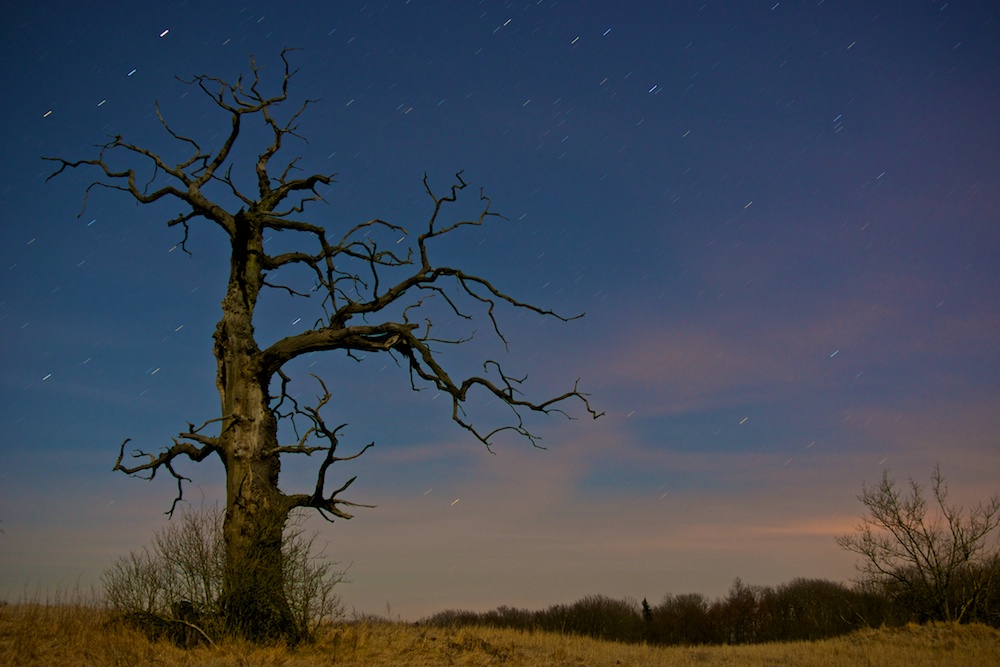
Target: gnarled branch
(325,503)
(165,458)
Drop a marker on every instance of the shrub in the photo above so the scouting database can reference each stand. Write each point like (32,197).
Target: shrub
(173,586)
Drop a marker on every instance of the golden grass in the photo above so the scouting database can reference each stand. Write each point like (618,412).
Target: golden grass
(67,634)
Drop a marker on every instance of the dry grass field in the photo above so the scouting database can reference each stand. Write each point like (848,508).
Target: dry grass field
(66,634)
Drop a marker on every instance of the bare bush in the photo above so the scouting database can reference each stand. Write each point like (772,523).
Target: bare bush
(309,581)
(135,583)
(175,584)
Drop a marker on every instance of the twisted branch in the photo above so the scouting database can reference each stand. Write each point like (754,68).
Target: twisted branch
(165,459)
(325,503)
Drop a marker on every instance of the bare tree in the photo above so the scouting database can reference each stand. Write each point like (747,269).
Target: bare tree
(371,299)
(940,563)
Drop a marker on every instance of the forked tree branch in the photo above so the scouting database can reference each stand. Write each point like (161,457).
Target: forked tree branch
(325,503)
(188,177)
(165,458)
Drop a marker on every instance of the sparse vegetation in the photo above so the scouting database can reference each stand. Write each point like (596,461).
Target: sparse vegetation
(47,635)
(173,588)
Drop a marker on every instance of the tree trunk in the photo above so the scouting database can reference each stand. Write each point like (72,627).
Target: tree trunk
(254,602)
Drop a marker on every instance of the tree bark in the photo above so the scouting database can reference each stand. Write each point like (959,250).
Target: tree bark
(254,602)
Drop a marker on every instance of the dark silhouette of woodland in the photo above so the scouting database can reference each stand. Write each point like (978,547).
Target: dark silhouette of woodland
(922,560)
(800,610)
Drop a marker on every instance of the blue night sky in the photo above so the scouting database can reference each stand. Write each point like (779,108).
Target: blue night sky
(782,220)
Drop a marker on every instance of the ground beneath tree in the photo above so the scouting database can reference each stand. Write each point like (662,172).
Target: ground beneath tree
(49,635)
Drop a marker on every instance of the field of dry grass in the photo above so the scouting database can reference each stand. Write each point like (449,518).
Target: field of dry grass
(66,634)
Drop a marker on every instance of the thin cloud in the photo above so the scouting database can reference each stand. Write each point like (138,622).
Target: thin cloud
(735,358)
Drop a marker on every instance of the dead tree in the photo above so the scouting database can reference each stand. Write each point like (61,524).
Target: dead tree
(371,299)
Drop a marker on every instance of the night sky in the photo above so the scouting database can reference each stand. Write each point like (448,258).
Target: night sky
(782,220)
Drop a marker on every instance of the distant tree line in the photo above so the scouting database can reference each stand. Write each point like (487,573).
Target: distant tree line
(800,610)
(921,561)
(804,609)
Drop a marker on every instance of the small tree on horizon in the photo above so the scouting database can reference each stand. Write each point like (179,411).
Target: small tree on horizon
(371,293)
(939,563)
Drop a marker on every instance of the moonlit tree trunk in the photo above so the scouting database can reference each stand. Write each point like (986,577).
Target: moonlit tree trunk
(256,511)
(371,301)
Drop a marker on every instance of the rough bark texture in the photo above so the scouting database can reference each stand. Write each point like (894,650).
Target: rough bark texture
(357,282)
(254,600)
